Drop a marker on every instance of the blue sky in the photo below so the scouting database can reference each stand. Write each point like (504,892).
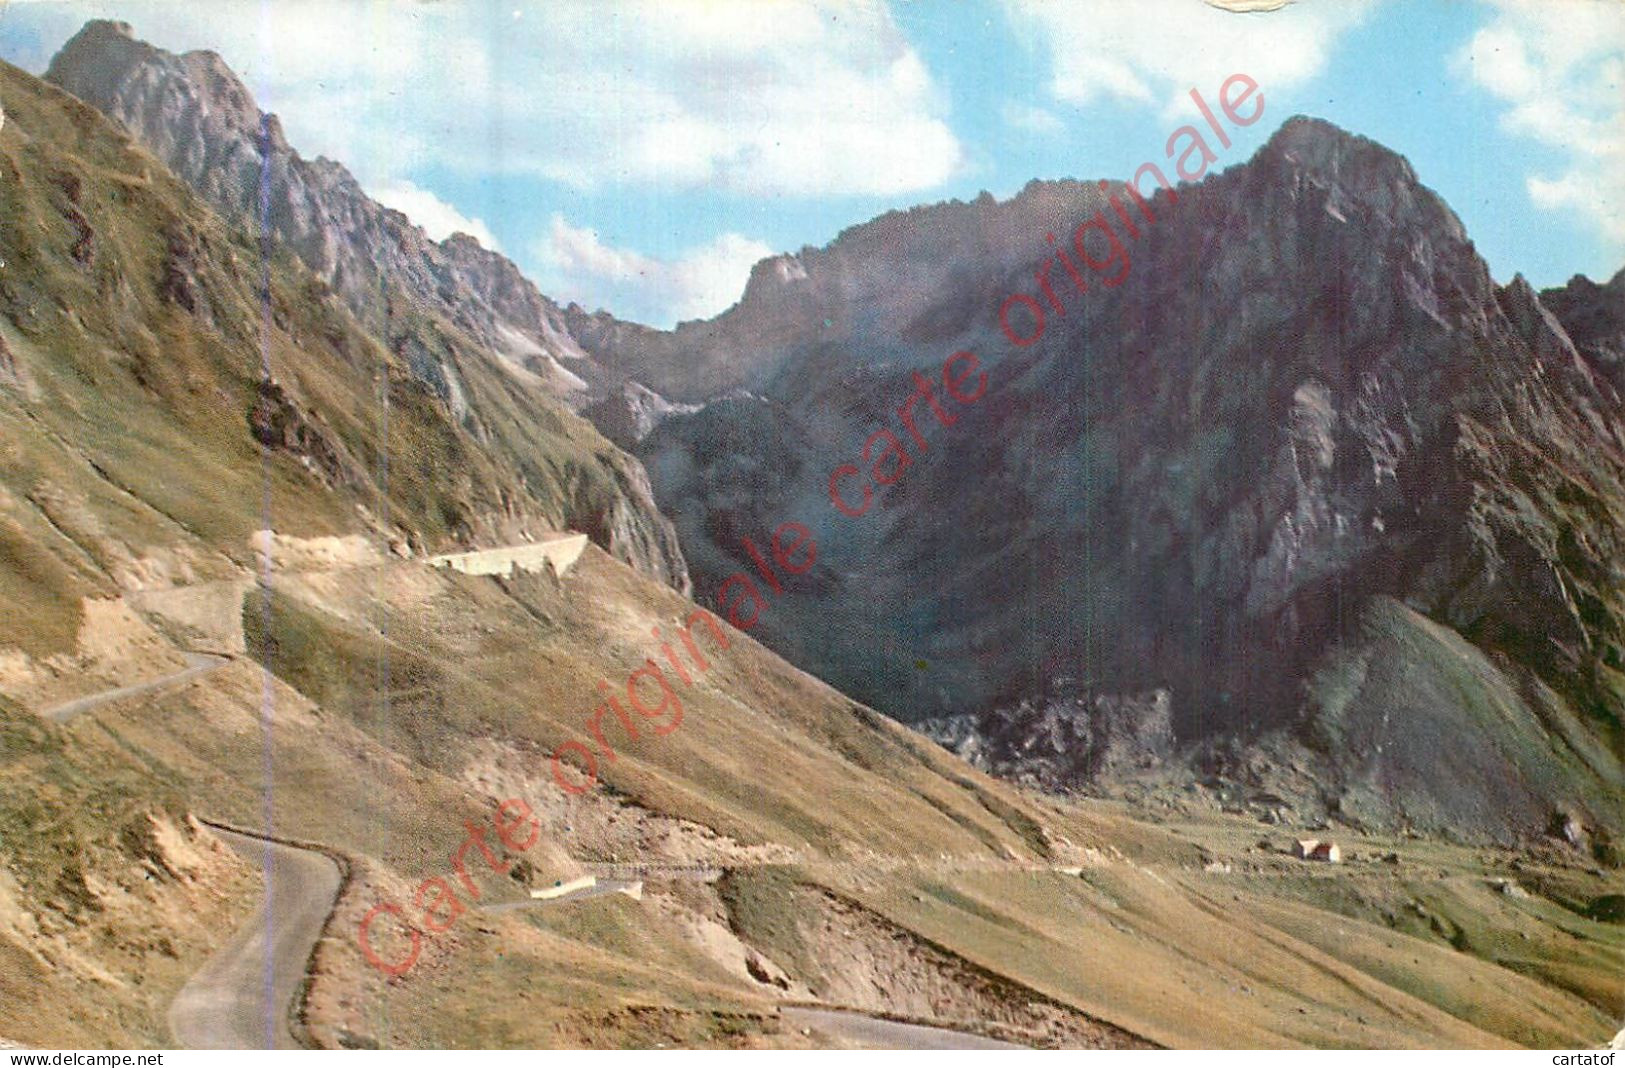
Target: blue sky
(641,156)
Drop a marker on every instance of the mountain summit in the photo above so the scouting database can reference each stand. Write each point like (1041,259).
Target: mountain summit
(1306,431)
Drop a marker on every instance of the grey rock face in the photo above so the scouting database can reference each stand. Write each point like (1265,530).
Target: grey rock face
(10,373)
(1308,469)
(631,413)
(196,115)
(1594,317)
(1306,393)
(278,423)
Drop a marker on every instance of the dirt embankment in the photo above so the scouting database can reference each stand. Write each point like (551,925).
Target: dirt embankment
(864,961)
(115,937)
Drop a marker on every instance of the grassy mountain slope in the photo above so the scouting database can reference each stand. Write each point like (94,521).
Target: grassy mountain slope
(852,861)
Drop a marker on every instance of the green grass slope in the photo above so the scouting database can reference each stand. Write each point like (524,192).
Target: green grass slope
(109,896)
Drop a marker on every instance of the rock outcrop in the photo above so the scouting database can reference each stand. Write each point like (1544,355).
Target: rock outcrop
(10,372)
(1065,741)
(631,413)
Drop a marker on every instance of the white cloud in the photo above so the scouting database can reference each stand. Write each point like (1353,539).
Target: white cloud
(1022,115)
(438,218)
(1155,51)
(761,97)
(575,264)
(1559,68)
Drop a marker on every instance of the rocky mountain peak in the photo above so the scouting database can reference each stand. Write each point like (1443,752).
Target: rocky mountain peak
(194,113)
(105,61)
(1303,395)
(100,29)
(1327,149)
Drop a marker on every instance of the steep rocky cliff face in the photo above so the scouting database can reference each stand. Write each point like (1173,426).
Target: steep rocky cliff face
(896,284)
(492,350)
(1305,398)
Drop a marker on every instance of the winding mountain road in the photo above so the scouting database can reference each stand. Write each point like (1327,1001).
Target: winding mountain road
(242,997)
(198,665)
